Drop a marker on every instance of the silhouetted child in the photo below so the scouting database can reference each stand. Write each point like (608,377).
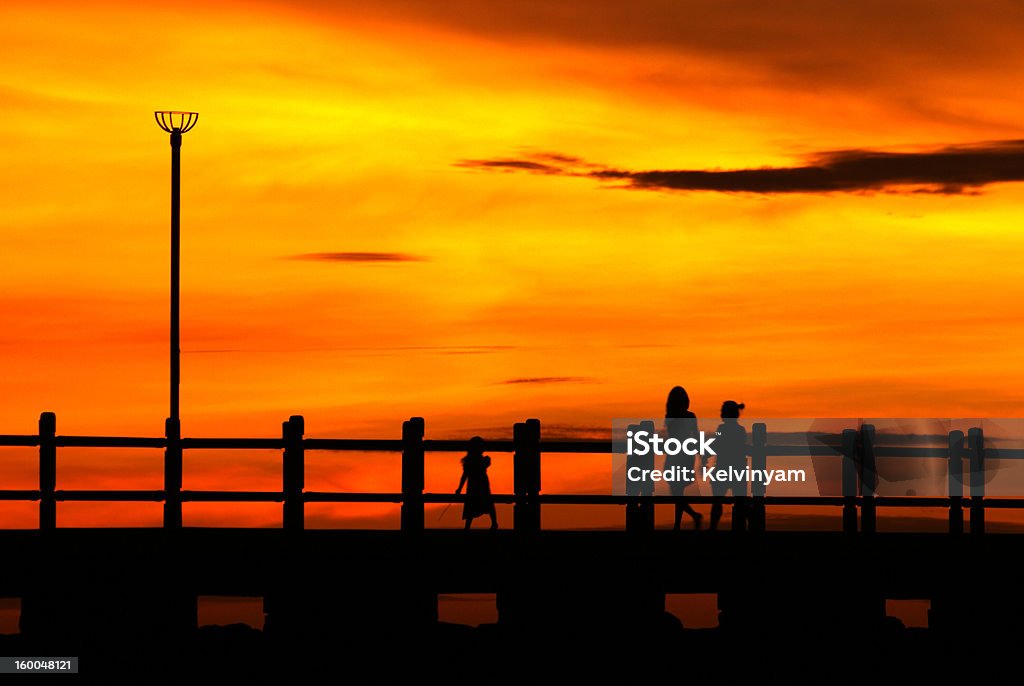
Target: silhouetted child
(680,423)
(730,451)
(478,487)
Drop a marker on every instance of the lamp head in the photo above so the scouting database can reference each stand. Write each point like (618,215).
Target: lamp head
(171,121)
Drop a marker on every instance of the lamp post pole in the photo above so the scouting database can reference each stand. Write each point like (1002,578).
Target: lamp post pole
(175,413)
(174,123)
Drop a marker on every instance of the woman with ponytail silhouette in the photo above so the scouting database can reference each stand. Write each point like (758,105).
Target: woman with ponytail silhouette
(681,424)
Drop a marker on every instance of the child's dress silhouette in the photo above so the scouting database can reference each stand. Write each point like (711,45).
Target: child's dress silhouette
(478,486)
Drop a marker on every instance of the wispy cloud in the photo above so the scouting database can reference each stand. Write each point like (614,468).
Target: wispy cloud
(378,349)
(549,379)
(947,170)
(512,164)
(551,431)
(361,257)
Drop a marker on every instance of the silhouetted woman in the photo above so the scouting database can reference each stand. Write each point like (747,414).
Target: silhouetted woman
(730,451)
(680,423)
(478,487)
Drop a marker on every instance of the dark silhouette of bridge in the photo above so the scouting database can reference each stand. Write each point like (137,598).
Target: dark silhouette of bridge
(87,588)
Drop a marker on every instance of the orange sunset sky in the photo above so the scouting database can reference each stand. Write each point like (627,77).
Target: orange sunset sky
(445,209)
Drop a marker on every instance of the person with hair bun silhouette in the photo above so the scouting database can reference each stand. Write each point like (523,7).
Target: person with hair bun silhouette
(730,452)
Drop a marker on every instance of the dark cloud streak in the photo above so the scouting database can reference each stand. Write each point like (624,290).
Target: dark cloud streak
(549,380)
(948,170)
(359,257)
(513,164)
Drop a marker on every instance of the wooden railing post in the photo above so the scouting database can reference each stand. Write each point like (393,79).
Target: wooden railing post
(955,472)
(849,481)
(976,444)
(412,474)
(758,461)
(47,470)
(632,488)
(172,475)
(294,473)
(645,509)
(526,475)
(868,479)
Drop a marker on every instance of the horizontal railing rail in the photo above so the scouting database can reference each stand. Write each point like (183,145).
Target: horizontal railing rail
(855,448)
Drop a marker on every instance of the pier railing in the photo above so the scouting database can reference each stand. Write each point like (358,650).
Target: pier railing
(858,452)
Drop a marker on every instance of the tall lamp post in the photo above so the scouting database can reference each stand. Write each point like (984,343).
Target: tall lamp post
(174,123)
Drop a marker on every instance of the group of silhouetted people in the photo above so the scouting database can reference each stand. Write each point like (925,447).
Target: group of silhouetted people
(680,423)
(730,451)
